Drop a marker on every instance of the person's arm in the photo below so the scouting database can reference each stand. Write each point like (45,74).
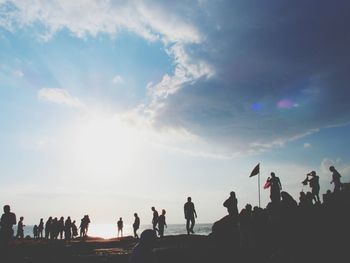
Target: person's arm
(194,210)
(279,183)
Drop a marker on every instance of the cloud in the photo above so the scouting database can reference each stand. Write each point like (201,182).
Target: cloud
(117,80)
(247,76)
(277,75)
(18,73)
(59,96)
(307,145)
(149,19)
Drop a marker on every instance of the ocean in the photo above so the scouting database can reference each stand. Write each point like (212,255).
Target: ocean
(111,231)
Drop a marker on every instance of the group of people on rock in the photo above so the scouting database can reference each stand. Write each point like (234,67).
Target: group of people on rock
(53,229)
(252,223)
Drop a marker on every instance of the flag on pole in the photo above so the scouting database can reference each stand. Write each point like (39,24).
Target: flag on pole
(267,184)
(255,171)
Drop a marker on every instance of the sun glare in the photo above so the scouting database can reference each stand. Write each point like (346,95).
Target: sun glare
(107,144)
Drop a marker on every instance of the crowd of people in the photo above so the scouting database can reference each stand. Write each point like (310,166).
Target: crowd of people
(278,224)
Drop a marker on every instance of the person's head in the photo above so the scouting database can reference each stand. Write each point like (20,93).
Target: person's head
(163,212)
(41,219)
(73,222)
(120,219)
(248,207)
(313,173)
(135,214)
(232,194)
(273,174)
(331,168)
(7,209)
(148,238)
(189,199)
(152,208)
(21,218)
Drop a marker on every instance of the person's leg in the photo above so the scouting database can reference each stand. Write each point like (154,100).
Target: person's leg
(188,225)
(192,225)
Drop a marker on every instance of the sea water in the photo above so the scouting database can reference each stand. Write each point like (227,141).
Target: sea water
(111,231)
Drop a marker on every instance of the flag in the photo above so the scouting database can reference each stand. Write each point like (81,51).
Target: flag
(256,170)
(267,184)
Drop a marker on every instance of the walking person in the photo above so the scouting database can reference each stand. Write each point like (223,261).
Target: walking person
(136,225)
(190,215)
(335,179)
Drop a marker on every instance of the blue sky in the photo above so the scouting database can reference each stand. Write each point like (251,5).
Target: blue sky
(109,108)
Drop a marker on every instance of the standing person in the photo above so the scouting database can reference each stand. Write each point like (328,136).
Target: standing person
(82,227)
(48,228)
(335,179)
(275,188)
(314,182)
(8,220)
(68,229)
(35,231)
(87,223)
(190,214)
(74,229)
(120,226)
(155,218)
(61,227)
(162,223)
(136,225)
(41,228)
(231,204)
(20,228)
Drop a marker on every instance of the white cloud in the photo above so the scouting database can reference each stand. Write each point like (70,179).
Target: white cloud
(117,80)
(59,96)
(307,145)
(18,73)
(143,18)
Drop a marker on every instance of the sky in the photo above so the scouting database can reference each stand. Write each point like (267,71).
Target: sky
(110,107)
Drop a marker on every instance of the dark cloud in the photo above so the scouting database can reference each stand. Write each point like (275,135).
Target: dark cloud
(264,52)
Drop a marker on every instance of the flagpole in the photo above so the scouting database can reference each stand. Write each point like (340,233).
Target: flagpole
(259,187)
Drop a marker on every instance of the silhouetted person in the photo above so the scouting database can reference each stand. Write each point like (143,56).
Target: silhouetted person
(84,226)
(162,223)
(245,223)
(48,228)
(20,228)
(231,204)
(61,227)
(136,225)
(120,227)
(275,188)
(54,229)
(302,200)
(68,229)
(41,228)
(8,220)
(335,179)
(74,230)
(142,252)
(155,218)
(314,182)
(35,231)
(190,214)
